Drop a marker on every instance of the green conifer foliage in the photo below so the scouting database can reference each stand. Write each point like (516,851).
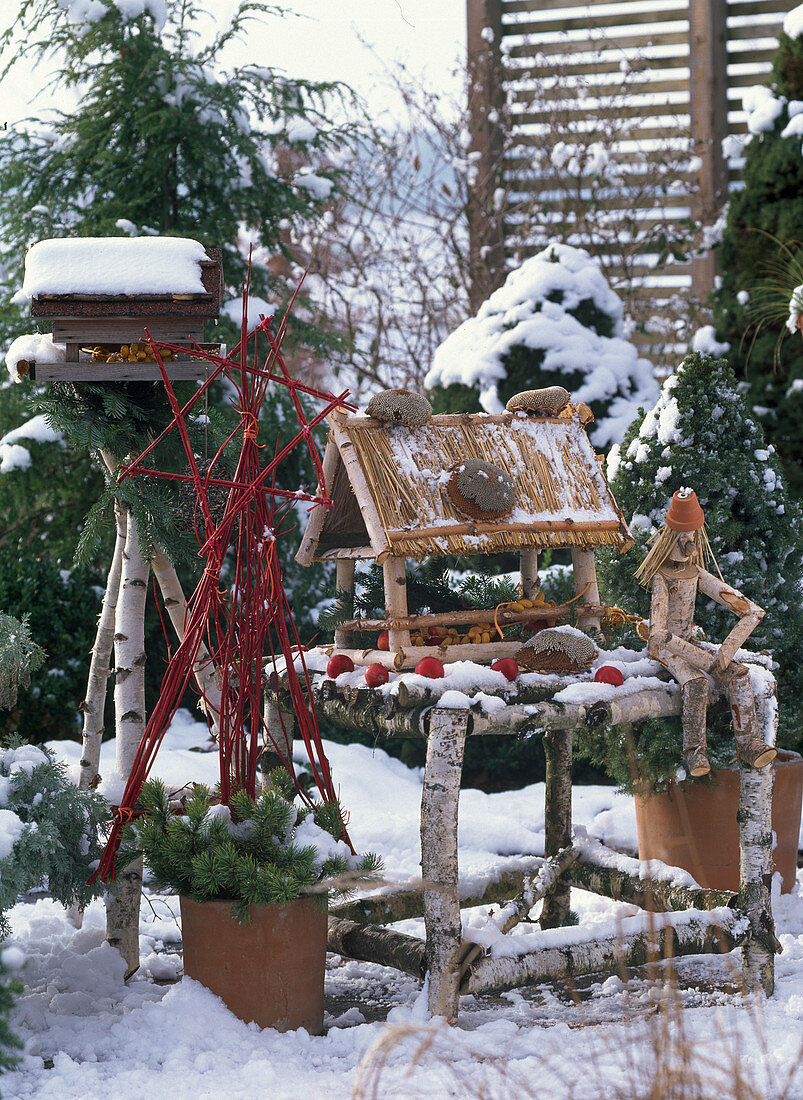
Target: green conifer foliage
(765,214)
(54,830)
(700,434)
(252,852)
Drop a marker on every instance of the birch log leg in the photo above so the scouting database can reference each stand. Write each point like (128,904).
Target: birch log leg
(203,667)
(279,750)
(122,907)
(528,562)
(557,819)
(396,600)
(585,573)
(344,585)
(439,805)
(755,872)
(94,704)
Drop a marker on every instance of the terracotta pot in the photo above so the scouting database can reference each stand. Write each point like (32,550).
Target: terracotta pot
(694,826)
(270,970)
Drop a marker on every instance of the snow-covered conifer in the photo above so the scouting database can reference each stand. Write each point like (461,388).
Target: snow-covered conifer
(700,434)
(554,322)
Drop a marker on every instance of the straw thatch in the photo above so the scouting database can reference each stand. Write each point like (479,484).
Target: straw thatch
(561,496)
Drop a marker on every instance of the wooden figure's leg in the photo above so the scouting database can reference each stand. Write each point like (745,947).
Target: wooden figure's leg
(439,804)
(557,819)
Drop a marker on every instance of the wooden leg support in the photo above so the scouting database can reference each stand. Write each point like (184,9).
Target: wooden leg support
(755,874)
(558,819)
(439,804)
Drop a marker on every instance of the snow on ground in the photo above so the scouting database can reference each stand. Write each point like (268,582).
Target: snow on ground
(88,1035)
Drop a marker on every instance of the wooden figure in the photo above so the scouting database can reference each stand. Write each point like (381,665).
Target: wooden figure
(674,568)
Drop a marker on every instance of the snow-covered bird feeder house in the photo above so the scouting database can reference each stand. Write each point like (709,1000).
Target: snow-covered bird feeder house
(102,294)
(404,483)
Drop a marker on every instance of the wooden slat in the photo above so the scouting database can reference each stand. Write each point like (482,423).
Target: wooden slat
(106,331)
(565,64)
(118,372)
(511,6)
(581,111)
(623,88)
(752,31)
(592,18)
(622,44)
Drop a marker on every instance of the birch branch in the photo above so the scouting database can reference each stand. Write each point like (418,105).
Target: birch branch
(695,934)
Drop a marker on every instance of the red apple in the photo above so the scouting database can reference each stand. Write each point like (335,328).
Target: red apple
(607,674)
(375,675)
(507,666)
(430,667)
(339,663)
(383,641)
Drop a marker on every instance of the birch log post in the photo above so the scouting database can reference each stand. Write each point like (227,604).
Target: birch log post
(439,805)
(122,907)
(94,704)
(528,563)
(396,600)
(344,586)
(755,875)
(557,819)
(585,577)
(203,667)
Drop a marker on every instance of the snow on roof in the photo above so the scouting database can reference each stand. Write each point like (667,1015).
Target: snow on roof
(114,265)
(532,309)
(562,497)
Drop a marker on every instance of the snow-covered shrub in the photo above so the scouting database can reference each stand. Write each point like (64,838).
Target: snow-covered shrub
(765,221)
(49,830)
(699,433)
(554,322)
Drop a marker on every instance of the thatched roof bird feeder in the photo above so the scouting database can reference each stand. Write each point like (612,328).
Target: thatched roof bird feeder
(389,487)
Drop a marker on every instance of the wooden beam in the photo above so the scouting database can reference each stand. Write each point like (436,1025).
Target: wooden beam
(708,96)
(486,105)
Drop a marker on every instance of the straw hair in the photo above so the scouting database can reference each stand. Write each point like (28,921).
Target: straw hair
(663,543)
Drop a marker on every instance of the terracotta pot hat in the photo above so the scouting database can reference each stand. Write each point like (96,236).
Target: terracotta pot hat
(685,513)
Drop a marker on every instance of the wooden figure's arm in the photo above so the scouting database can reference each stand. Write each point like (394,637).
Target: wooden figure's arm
(661,642)
(750,614)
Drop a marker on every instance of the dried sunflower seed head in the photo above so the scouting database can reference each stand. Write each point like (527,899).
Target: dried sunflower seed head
(481,489)
(547,402)
(404,407)
(554,650)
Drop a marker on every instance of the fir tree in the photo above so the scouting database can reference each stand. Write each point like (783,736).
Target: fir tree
(701,434)
(765,215)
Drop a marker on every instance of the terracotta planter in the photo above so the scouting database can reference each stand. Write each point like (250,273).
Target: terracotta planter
(694,826)
(270,970)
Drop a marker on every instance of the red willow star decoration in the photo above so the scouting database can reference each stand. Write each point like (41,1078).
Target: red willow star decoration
(253,615)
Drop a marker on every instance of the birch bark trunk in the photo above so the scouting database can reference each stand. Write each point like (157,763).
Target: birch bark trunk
(755,874)
(122,907)
(203,667)
(94,705)
(439,804)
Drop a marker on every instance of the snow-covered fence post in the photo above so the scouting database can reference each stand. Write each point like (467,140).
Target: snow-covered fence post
(557,818)
(439,803)
(122,907)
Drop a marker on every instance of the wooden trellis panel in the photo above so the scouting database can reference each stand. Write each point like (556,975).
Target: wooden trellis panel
(688,63)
